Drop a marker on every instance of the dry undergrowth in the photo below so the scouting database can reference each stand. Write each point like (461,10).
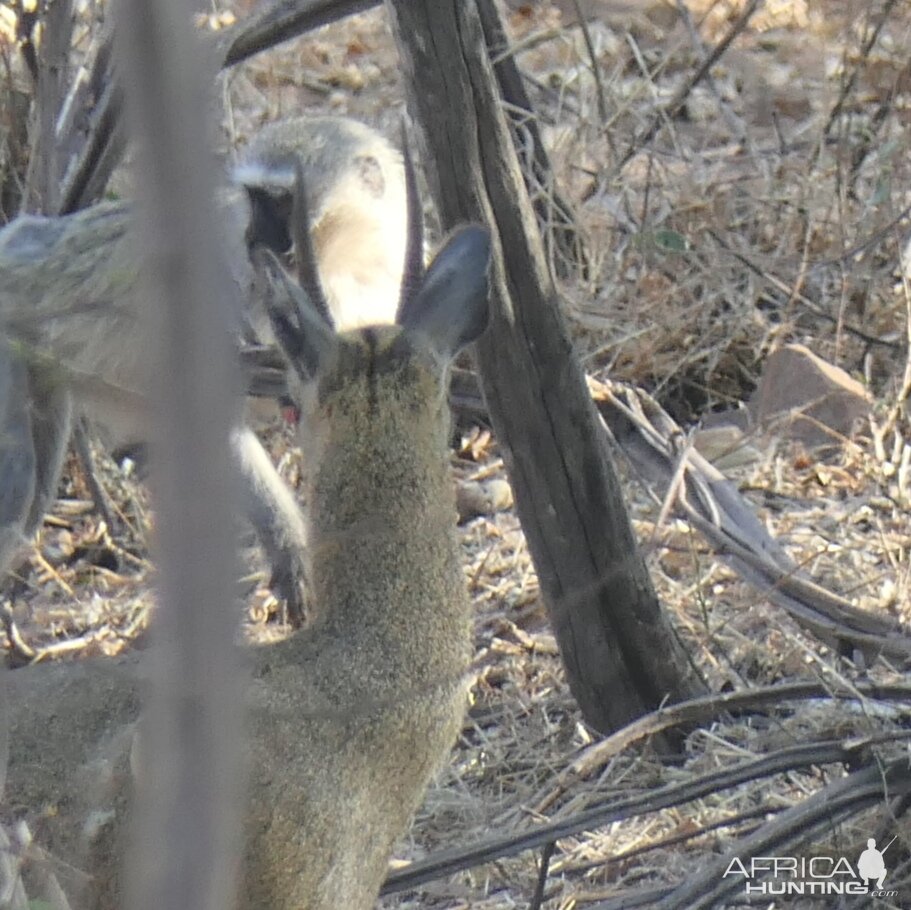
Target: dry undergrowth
(771,207)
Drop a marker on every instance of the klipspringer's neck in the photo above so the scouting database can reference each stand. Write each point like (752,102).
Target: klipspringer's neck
(384,551)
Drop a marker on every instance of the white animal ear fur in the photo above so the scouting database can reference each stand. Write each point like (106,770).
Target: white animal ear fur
(279,175)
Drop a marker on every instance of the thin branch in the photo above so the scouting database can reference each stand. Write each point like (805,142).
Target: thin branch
(53,74)
(537,899)
(849,752)
(795,295)
(701,711)
(82,442)
(92,167)
(281,22)
(735,122)
(553,211)
(795,826)
(593,62)
(851,81)
(790,829)
(683,836)
(679,97)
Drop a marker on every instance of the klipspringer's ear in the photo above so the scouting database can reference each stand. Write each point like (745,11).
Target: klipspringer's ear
(303,333)
(450,309)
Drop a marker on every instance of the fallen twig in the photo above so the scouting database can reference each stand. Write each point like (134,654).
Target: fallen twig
(714,507)
(805,755)
(790,829)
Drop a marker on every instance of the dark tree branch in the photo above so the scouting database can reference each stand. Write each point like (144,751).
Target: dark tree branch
(786,833)
(554,212)
(645,136)
(43,184)
(699,712)
(26,20)
(281,22)
(99,153)
(805,755)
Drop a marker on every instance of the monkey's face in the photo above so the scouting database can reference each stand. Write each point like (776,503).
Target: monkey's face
(270,215)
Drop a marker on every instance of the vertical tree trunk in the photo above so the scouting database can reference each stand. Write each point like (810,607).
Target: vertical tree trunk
(622,654)
(187,839)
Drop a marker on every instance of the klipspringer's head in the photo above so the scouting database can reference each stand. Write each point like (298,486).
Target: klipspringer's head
(377,378)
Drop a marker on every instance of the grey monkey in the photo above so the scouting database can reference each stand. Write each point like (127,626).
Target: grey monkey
(357,209)
(70,317)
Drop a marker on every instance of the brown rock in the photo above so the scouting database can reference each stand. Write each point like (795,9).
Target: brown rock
(803,397)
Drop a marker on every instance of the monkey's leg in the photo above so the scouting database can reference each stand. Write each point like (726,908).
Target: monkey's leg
(18,463)
(278,520)
(51,422)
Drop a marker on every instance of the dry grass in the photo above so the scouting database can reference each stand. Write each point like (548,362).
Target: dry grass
(771,208)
